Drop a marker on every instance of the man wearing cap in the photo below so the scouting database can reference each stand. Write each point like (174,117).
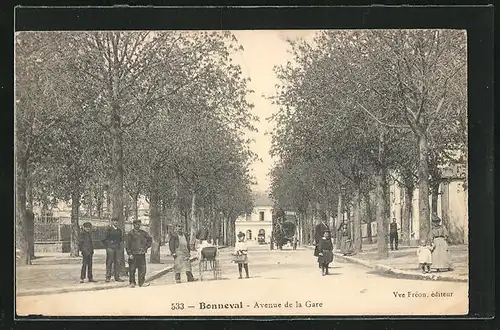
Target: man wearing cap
(86,246)
(113,239)
(137,244)
(179,248)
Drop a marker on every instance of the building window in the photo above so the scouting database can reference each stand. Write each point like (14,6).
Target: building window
(249,234)
(261,216)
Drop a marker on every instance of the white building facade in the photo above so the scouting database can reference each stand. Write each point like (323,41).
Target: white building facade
(259,220)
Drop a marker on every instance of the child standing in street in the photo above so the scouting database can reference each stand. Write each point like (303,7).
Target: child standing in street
(86,246)
(424,254)
(325,248)
(241,254)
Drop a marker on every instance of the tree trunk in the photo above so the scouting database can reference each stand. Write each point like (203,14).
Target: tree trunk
(423,186)
(340,215)
(21,223)
(382,202)
(357,235)
(382,250)
(369,218)
(117,183)
(155,226)
(75,226)
(30,218)
(228,231)
(194,224)
(434,197)
(406,219)
(348,216)
(136,206)
(164,222)
(117,179)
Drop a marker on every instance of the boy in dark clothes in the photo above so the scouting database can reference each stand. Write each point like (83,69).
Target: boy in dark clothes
(325,248)
(86,246)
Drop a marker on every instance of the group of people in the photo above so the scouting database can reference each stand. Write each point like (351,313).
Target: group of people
(137,242)
(432,253)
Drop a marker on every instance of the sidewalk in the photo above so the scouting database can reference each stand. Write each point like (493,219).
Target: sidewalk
(404,263)
(58,272)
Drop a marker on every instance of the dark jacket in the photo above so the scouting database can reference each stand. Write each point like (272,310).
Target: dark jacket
(173,242)
(113,238)
(85,244)
(138,242)
(393,228)
(325,245)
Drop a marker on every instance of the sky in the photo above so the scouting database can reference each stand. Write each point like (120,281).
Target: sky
(264,49)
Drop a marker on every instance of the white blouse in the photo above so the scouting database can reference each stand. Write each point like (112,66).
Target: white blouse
(241,246)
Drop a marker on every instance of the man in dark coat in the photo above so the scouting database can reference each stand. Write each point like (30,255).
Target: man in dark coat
(179,249)
(137,244)
(113,239)
(86,247)
(393,234)
(321,227)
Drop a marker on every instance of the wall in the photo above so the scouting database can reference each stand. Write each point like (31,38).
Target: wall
(252,222)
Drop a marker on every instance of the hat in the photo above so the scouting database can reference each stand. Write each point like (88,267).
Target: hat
(240,234)
(136,221)
(87,224)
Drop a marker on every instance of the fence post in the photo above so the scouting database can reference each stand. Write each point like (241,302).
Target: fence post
(59,231)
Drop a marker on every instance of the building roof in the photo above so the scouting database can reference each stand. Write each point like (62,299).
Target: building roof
(262,199)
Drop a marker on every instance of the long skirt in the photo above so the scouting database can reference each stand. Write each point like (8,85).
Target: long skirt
(441,257)
(345,246)
(182,263)
(326,258)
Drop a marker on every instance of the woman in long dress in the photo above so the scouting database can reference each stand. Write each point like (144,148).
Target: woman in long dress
(441,257)
(345,242)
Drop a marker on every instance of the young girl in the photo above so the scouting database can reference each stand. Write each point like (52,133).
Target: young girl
(325,252)
(241,254)
(424,254)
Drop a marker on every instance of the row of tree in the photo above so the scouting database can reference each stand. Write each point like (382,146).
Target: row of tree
(362,109)
(130,114)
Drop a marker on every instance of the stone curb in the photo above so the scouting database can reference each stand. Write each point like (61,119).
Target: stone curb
(98,287)
(383,269)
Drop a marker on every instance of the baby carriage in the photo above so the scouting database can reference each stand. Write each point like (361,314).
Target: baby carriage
(209,262)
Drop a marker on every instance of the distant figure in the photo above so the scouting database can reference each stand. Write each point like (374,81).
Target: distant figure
(321,227)
(325,247)
(441,257)
(179,248)
(241,254)
(345,241)
(424,254)
(113,239)
(138,243)
(86,247)
(295,242)
(393,234)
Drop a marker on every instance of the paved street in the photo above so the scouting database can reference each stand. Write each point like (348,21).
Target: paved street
(277,278)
